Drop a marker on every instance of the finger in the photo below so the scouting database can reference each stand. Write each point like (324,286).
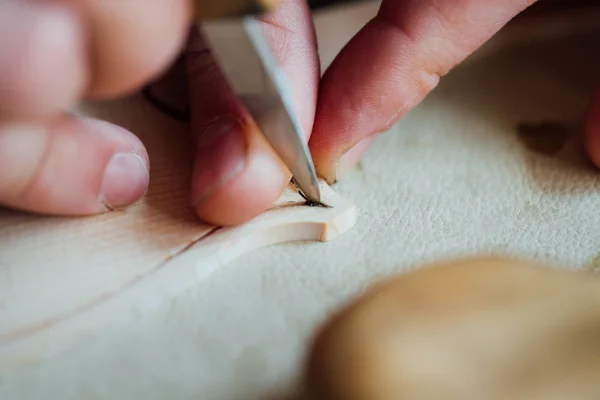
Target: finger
(42,59)
(391,65)
(73,166)
(236,174)
(592,129)
(132,41)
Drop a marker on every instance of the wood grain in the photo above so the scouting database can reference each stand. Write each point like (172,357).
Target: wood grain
(61,278)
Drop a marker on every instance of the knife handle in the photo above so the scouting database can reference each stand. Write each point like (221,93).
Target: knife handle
(213,9)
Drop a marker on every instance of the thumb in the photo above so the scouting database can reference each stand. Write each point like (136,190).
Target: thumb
(236,174)
(73,166)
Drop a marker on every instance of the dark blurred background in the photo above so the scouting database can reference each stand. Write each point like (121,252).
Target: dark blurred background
(316,4)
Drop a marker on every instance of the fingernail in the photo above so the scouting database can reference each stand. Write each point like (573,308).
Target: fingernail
(350,158)
(126,180)
(220,157)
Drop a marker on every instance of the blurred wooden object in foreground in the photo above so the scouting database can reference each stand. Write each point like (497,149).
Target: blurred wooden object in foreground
(488,328)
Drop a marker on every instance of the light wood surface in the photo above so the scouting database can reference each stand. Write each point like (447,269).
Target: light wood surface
(489,328)
(61,278)
(452,178)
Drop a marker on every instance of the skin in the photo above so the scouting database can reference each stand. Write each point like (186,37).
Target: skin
(54,53)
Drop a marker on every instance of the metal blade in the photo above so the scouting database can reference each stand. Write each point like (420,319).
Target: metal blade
(274,114)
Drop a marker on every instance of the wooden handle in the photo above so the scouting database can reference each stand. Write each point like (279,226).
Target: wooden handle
(486,328)
(211,9)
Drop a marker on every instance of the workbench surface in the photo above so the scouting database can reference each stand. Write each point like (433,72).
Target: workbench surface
(455,177)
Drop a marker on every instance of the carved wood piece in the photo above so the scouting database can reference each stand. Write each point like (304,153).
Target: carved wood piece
(62,279)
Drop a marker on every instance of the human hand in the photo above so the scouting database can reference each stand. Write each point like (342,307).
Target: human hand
(53,53)
(385,70)
(381,74)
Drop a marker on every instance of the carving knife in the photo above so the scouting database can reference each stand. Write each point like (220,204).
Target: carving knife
(270,101)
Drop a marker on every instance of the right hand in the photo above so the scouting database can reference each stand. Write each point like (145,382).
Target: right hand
(387,68)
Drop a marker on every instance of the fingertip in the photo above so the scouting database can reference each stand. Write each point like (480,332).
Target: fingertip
(238,175)
(247,193)
(391,65)
(592,129)
(125,181)
(242,200)
(126,170)
(348,160)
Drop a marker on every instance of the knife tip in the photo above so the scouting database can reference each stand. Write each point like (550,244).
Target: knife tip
(312,195)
